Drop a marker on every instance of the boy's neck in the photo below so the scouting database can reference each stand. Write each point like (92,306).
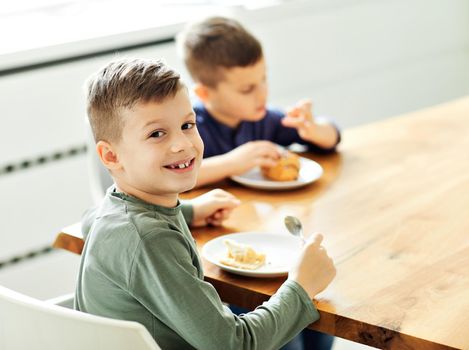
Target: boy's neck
(223,119)
(167,200)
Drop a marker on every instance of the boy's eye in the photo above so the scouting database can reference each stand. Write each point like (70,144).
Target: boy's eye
(157,133)
(186,126)
(247,91)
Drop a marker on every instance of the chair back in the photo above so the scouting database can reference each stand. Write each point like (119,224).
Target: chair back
(27,323)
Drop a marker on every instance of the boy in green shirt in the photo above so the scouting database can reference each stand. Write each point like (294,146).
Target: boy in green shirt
(140,261)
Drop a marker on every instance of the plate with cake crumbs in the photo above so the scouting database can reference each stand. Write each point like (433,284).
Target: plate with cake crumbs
(253,254)
(307,170)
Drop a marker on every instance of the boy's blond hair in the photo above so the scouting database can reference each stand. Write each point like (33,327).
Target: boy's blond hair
(216,43)
(122,84)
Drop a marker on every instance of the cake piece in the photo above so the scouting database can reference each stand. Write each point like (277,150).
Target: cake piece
(242,256)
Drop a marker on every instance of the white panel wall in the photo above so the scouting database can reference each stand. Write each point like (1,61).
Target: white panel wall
(364,60)
(36,203)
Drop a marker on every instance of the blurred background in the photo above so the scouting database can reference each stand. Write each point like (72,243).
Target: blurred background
(359,60)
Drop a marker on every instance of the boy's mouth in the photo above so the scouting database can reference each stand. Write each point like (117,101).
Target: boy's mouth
(181,166)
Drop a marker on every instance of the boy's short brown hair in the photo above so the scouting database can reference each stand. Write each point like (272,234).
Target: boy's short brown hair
(122,84)
(216,43)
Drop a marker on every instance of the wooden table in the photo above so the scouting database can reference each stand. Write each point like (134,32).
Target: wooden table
(394,208)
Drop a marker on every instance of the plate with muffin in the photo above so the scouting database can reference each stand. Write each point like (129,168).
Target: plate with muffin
(291,171)
(254,254)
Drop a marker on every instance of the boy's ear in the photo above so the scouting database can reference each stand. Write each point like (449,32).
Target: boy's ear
(107,155)
(202,92)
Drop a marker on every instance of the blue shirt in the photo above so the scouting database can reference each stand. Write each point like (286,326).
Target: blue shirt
(219,138)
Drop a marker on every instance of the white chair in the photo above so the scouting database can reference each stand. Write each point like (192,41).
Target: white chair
(99,177)
(27,324)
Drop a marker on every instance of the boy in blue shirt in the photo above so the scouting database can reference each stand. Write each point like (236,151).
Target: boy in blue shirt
(140,262)
(239,132)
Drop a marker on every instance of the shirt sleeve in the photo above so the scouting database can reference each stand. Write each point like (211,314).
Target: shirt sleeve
(187,210)
(166,281)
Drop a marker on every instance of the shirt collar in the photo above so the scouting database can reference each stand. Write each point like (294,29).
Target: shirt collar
(136,202)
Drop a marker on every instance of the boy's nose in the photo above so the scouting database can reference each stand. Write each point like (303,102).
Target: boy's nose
(262,94)
(180,143)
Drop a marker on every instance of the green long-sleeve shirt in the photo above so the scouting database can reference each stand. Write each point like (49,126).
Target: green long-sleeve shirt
(141,263)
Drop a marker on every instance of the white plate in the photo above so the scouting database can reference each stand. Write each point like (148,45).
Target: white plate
(281,251)
(310,171)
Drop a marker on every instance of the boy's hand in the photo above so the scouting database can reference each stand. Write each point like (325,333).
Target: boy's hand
(315,130)
(314,269)
(213,207)
(301,118)
(252,154)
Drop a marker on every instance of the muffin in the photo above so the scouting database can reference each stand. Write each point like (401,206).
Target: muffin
(286,169)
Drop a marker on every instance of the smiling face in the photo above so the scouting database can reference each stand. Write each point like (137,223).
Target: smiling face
(160,151)
(240,96)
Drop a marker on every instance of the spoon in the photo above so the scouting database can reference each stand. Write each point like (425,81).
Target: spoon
(294,226)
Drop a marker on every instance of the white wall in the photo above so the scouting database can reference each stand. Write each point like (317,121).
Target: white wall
(358,60)
(364,60)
